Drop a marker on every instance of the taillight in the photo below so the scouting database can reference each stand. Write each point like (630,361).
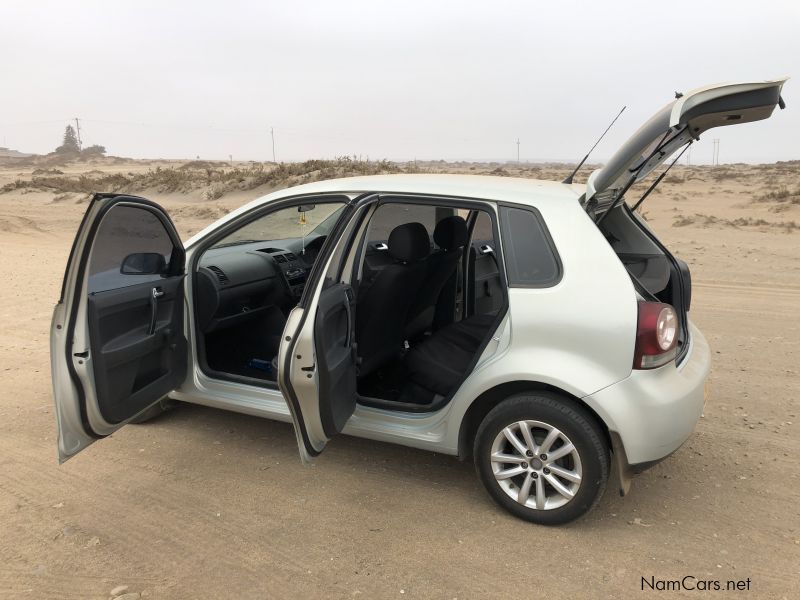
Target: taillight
(656,335)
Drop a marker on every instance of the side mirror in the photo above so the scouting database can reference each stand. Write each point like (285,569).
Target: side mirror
(143,263)
(306,207)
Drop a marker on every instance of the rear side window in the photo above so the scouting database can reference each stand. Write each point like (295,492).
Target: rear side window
(125,230)
(530,256)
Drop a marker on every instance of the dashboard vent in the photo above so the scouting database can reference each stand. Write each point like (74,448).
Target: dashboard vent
(291,256)
(279,258)
(221,277)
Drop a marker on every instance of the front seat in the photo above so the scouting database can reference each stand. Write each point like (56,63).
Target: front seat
(451,236)
(382,309)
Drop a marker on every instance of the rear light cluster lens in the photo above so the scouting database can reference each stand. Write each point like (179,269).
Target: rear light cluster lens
(656,335)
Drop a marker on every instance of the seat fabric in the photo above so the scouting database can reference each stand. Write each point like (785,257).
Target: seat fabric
(382,308)
(450,236)
(441,361)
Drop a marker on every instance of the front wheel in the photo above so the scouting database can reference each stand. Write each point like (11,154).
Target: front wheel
(542,457)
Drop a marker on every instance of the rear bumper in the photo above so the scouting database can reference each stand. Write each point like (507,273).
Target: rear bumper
(651,413)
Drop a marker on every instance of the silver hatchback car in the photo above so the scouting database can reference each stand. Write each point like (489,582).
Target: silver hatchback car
(540,328)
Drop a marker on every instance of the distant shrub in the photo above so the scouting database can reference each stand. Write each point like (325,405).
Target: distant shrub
(95,150)
(781,195)
(711,220)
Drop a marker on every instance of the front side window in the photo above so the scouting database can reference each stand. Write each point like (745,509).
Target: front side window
(128,249)
(303,221)
(530,257)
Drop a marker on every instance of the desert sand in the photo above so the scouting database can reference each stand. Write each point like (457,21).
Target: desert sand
(204,503)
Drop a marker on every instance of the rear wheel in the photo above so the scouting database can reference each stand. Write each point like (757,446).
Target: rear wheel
(542,457)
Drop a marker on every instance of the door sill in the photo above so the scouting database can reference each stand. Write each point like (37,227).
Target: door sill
(234,378)
(437,404)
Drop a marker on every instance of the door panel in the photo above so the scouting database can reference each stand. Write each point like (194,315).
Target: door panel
(131,362)
(334,335)
(117,344)
(487,290)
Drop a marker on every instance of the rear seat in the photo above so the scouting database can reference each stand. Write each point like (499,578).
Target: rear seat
(440,362)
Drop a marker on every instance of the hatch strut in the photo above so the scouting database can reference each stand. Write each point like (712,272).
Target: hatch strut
(660,177)
(618,196)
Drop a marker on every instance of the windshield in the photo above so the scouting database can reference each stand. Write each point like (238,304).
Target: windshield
(287,223)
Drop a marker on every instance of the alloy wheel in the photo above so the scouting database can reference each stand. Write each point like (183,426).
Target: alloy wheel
(536,464)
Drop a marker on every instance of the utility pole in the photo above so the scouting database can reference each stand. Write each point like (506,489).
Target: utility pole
(272,133)
(715,160)
(517,150)
(78,133)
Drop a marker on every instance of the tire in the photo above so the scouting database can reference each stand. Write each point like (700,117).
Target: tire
(557,489)
(154,412)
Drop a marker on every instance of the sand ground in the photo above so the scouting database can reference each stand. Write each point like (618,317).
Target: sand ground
(208,504)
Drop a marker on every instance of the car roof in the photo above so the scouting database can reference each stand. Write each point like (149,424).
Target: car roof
(518,190)
(486,187)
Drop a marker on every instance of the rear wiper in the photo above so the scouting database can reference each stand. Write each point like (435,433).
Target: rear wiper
(236,243)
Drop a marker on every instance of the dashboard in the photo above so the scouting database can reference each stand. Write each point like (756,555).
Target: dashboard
(236,283)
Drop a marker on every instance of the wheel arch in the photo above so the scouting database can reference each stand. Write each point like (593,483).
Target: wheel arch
(490,398)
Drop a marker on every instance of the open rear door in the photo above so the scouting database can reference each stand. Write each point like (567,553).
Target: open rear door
(117,344)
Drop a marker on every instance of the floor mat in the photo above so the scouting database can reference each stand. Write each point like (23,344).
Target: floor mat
(391,382)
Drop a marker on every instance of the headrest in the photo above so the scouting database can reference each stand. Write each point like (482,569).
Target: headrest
(450,233)
(409,242)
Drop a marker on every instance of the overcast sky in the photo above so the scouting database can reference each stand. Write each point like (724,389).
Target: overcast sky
(399,80)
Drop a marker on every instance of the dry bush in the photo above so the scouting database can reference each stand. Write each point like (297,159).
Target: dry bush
(213,192)
(723,174)
(782,195)
(683,221)
(712,221)
(214,178)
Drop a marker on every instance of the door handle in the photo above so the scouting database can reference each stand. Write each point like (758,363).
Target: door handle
(155,294)
(349,321)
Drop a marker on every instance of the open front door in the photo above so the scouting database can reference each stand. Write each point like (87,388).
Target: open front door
(117,345)
(317,358)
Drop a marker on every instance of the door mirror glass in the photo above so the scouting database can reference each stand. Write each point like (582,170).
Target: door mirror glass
(143,263)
